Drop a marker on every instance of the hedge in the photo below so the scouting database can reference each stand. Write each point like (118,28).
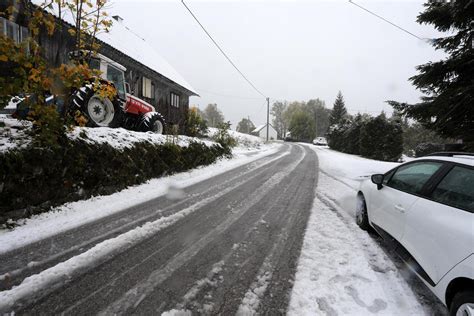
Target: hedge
(34,179)
(371,137)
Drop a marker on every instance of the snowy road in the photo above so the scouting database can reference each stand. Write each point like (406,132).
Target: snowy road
(271,235)
(230,245)
(342,269)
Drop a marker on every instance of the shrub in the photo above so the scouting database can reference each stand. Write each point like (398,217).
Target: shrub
(196,126)
(79,170)
(48,126)
(375,138)
(338,136)
(223,137)
(381,139)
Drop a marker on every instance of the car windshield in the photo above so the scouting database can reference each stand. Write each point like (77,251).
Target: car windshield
(239,157)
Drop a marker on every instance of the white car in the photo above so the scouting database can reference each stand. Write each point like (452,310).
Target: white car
(424,208)
(320,141)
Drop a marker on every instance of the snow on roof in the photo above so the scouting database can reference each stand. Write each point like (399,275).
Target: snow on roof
(123,39)
(260,127)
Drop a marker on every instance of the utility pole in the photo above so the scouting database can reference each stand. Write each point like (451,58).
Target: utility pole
(268,114)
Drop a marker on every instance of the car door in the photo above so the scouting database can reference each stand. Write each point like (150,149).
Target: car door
(439,231)
(390,203)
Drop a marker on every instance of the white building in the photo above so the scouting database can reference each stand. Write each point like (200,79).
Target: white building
(261,131)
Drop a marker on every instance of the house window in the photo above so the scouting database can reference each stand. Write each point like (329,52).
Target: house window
(13,30)
(174,100)
(148,88)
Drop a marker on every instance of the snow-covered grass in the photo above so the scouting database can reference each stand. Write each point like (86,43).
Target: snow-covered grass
(244,140)
(342,270)
(121,138)
(74,214)
(349,167)
(340,175)
(14,136)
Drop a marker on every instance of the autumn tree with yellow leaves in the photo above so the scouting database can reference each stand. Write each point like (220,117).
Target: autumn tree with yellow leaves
(25,72)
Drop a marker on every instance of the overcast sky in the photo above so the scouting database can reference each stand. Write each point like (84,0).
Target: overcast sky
(291,50)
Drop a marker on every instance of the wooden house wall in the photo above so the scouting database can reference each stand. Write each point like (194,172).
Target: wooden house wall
(55,49)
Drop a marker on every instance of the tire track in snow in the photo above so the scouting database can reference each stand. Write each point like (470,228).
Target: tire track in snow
(243,280)
(39,285)
(252,297)
(111,229)
(128,300)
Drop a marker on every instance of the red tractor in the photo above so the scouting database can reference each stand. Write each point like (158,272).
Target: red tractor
(124,110)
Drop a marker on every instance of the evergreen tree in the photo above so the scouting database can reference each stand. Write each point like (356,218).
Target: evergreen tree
(352,135)
(339,112)
(415,135)
(447,106)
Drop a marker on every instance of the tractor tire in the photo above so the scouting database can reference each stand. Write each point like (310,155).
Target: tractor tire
(100,112)
(153,122)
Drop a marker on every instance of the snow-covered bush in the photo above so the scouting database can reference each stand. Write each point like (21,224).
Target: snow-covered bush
(223,137)
(32,179)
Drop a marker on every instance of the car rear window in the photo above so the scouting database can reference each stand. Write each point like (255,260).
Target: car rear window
(456,189)
(412,177)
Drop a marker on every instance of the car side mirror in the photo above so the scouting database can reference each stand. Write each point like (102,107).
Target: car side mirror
(378,180)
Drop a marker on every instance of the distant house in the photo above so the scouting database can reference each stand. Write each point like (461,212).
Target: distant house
(261,131)
(150,76)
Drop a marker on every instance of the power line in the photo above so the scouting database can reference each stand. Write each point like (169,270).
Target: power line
(384,19)
(222,51)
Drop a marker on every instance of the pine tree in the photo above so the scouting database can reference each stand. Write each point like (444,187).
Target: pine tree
(339,112)
(447,106)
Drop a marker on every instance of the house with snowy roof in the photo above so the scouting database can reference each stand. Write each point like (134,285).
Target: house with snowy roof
(261,131)
(149,75)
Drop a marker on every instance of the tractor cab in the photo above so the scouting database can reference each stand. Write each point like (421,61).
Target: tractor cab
(110,71)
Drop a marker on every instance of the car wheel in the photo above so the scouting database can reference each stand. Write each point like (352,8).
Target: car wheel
(462,304)
(362,218)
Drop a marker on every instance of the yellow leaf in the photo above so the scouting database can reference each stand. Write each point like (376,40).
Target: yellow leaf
(3,58)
